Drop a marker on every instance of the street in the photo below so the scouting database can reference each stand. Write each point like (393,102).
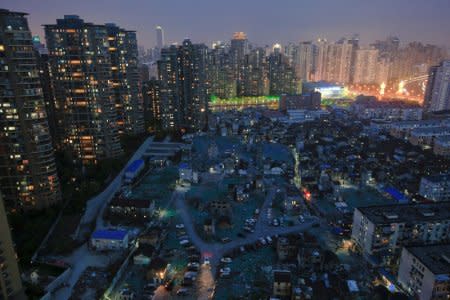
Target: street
(216,251)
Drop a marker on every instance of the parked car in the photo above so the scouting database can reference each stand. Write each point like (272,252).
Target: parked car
(226,260)
(275,222)
(183,292)
(184,243)
(226,240)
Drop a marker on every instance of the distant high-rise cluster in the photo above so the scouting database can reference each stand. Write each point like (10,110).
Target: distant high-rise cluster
(347,62)
(28,177)
(241,69)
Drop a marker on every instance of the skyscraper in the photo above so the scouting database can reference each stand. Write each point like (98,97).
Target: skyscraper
(415,59)
(221,79)
(304,63)
(47,88)
(335,61)
(28,177)
(10,283)
(437,94)
(152,103)
(125,80)
(282,78)
(159,37)
(183,90)
(82,75)
(255,78)
(366,66)
(238,50)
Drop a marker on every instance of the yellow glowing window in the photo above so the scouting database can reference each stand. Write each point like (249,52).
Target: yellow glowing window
(75,62)
(70,30)
(2,48)
(78,91)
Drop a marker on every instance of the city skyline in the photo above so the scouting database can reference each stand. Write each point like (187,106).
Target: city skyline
(215,21)
(237,157)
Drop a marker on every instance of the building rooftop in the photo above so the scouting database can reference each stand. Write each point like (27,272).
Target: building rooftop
(281,276)
(137,203)
(421,123)
(401,213)
(441,130)
(135,165)
(435,257)
(438,178)
(110,234)
(442,140)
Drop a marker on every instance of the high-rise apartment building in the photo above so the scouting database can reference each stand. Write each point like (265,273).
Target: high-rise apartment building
(255,80)
(183,86)
(366,64)
(437,93)
(28,177)
(125,80)
(388,47)
(238,49)
(152,104)
(335,61)
(47,87)
(81,68)
(415,59)
(282,78)
(304,63)
(10,283)
(221,79)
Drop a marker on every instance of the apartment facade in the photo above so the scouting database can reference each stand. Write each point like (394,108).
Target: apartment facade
(424,271)
(28,177)
(85,105)
(381,231)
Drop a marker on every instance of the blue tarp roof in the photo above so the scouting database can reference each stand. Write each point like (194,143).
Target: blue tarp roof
(184,165)
(337,230)
(135,165)
(325,166)
(110,234)
(396,194)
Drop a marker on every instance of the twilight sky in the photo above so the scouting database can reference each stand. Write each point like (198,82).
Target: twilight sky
(264,21)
